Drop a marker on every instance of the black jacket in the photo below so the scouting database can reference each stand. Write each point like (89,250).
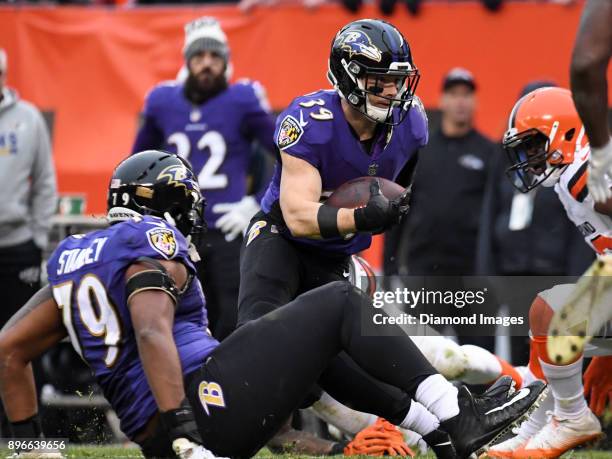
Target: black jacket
(550,245)
(440,232)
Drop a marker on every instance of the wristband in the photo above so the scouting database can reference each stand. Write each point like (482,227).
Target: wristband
(327,218)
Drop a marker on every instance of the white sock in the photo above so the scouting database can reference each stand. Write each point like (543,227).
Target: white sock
(482,367)
(420,420)
(344,418)
(566,384)
(527,375)
(538,418)
(439,397)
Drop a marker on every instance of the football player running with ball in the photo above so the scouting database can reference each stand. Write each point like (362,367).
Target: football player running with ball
(370,124)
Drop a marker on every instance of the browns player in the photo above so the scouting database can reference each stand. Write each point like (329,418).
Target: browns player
(547,145)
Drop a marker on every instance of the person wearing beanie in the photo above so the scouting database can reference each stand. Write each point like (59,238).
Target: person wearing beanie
(215,125)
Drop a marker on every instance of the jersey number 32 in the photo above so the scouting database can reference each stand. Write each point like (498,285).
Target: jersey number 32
(208,178)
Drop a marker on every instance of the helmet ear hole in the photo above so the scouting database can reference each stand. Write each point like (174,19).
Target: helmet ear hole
(570,134)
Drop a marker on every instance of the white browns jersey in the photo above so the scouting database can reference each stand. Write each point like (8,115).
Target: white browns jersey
(579,205)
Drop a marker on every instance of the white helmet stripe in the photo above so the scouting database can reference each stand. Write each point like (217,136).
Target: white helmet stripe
(553,131)
(579,138)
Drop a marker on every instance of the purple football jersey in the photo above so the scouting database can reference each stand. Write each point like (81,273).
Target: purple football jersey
(216,136)
(314,128)
(87,275)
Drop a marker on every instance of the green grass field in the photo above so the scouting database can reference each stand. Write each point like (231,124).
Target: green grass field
(75,452)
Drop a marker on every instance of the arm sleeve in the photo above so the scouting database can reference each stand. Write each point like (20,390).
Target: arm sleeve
(44,188)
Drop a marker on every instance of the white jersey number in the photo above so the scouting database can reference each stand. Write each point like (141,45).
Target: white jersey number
(96,311)
(208,178)
(323,114)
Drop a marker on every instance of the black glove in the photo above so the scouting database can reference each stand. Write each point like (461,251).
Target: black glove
(181,423)
(381,214)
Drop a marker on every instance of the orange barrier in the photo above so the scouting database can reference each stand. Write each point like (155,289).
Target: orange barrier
(91,67)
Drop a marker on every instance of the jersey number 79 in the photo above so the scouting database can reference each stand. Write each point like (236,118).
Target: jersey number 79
(95,310)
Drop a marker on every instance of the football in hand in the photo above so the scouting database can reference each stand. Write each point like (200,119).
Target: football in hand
(356,193)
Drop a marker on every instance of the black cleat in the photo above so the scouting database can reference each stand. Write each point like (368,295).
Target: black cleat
(483,417)
(441,444)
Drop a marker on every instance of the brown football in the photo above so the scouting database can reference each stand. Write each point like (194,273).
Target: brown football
(356,192)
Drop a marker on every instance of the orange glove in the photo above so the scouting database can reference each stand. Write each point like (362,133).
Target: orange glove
(598,383)
(380,439)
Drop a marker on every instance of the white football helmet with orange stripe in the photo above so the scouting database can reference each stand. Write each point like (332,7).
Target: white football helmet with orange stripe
(544,136)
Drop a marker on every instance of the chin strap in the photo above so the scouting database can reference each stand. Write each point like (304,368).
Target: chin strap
(192,251)
(170,219)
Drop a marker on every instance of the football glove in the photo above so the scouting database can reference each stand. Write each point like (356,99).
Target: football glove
(380,439)
(181,423)
(236,216)
(600,167)
(380,213)
(598,384)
